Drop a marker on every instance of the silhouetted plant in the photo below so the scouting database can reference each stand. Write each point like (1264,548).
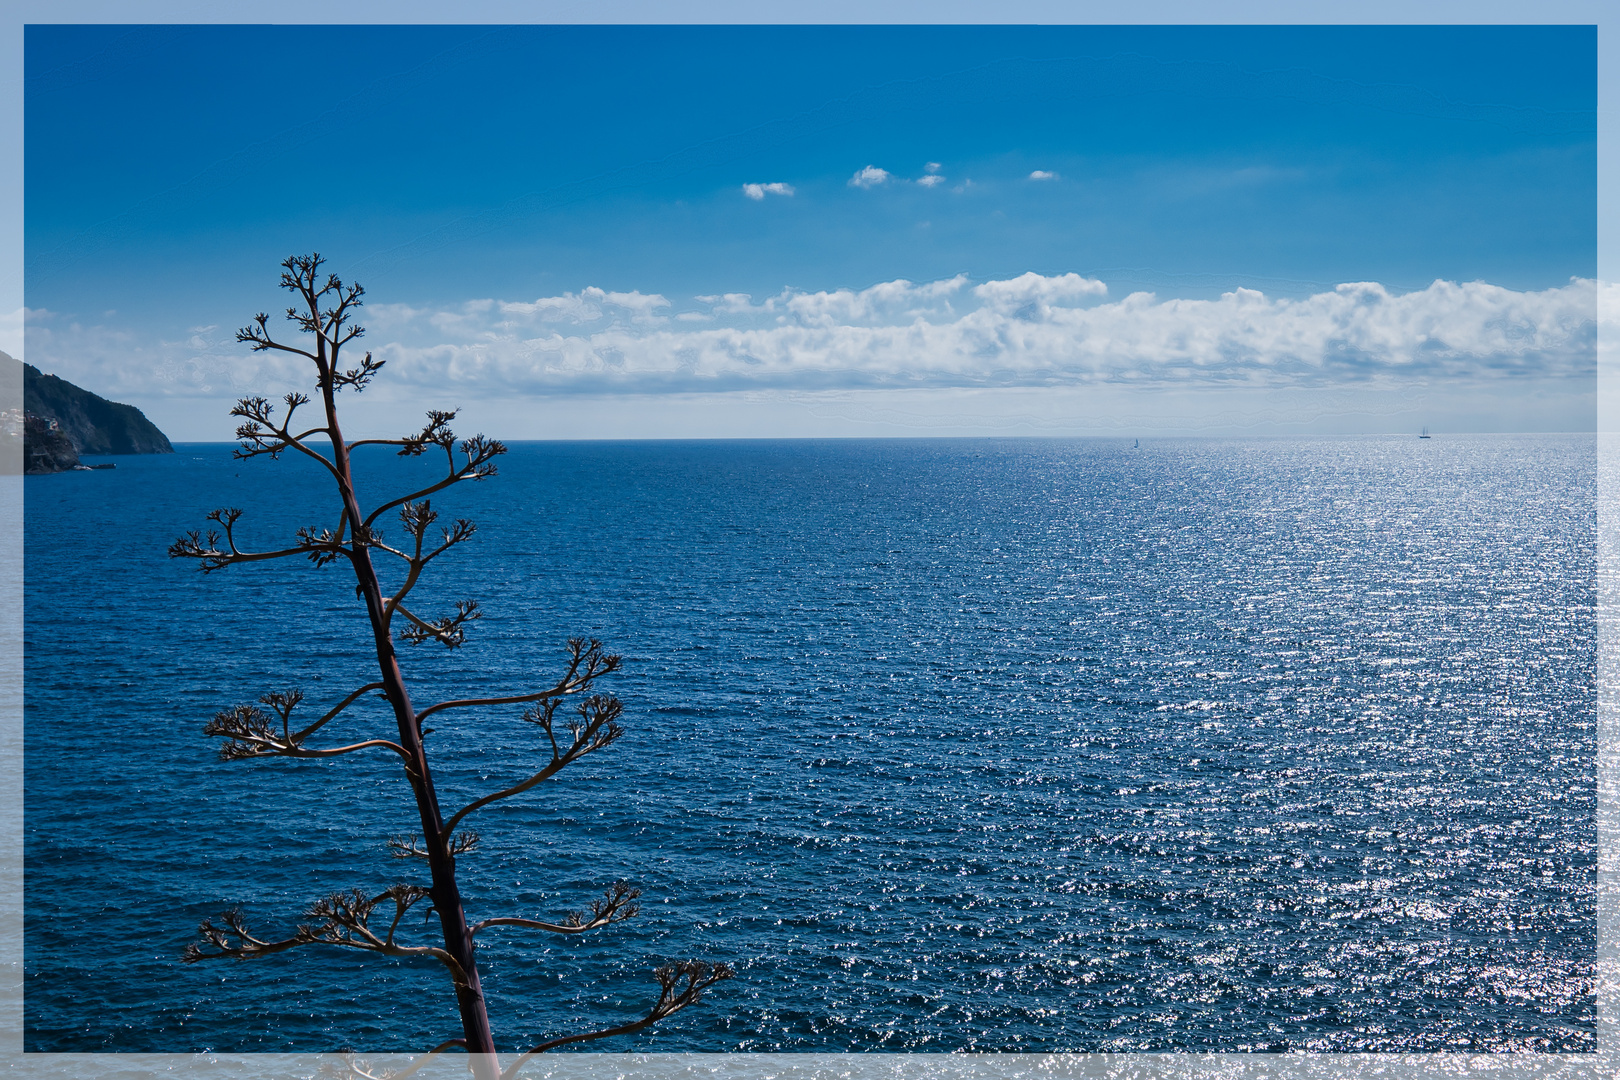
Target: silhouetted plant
(355,920)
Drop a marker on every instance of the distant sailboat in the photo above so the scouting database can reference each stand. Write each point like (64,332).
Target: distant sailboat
(1138,445)
(1425,434)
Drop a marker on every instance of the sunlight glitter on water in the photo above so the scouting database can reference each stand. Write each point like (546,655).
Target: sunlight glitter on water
(1010,745)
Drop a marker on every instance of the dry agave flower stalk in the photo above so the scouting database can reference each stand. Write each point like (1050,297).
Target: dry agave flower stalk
(355,920)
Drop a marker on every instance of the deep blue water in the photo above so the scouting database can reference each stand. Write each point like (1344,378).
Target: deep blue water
(981,744)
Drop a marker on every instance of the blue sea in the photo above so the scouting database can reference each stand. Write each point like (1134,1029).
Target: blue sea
(1033,745)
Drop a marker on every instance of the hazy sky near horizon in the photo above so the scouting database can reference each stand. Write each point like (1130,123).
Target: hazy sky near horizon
(831,230)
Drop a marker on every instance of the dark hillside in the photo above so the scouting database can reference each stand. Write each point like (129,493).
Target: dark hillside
(93,424)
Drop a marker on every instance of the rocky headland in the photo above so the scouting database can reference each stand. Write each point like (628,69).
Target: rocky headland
(55,422)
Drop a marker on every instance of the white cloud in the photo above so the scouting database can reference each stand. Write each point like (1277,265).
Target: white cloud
(932,167)
(1031,294)
(869,177)
(494,317)
(1042,174)
(888,302)
(1032,330)
(391,316)
(758,192)
(729,303)
(930,180)
(589,305)
(1037,330)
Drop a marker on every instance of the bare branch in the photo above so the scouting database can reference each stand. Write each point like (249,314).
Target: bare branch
(416,517)
(588,662)
(300,274)
(447,631)
(356,444)
(249,734)
(257,335)
(618,904)
(679,985)
(405,847)
(436,432)
(321,548)
(342,919)
(596,727)
(477,453)
(360,376)
(300,736)
(260,434)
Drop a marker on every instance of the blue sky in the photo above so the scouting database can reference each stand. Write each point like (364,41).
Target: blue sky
(546,214)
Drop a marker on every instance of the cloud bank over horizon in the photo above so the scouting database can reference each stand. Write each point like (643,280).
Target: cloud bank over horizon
(1028,331)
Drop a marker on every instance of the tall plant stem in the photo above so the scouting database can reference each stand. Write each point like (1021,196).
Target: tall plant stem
(458,940)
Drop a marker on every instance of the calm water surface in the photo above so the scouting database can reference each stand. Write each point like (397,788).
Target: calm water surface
(1026,744)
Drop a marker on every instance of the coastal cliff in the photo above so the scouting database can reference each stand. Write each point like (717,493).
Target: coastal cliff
(57,421)
(93,424)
